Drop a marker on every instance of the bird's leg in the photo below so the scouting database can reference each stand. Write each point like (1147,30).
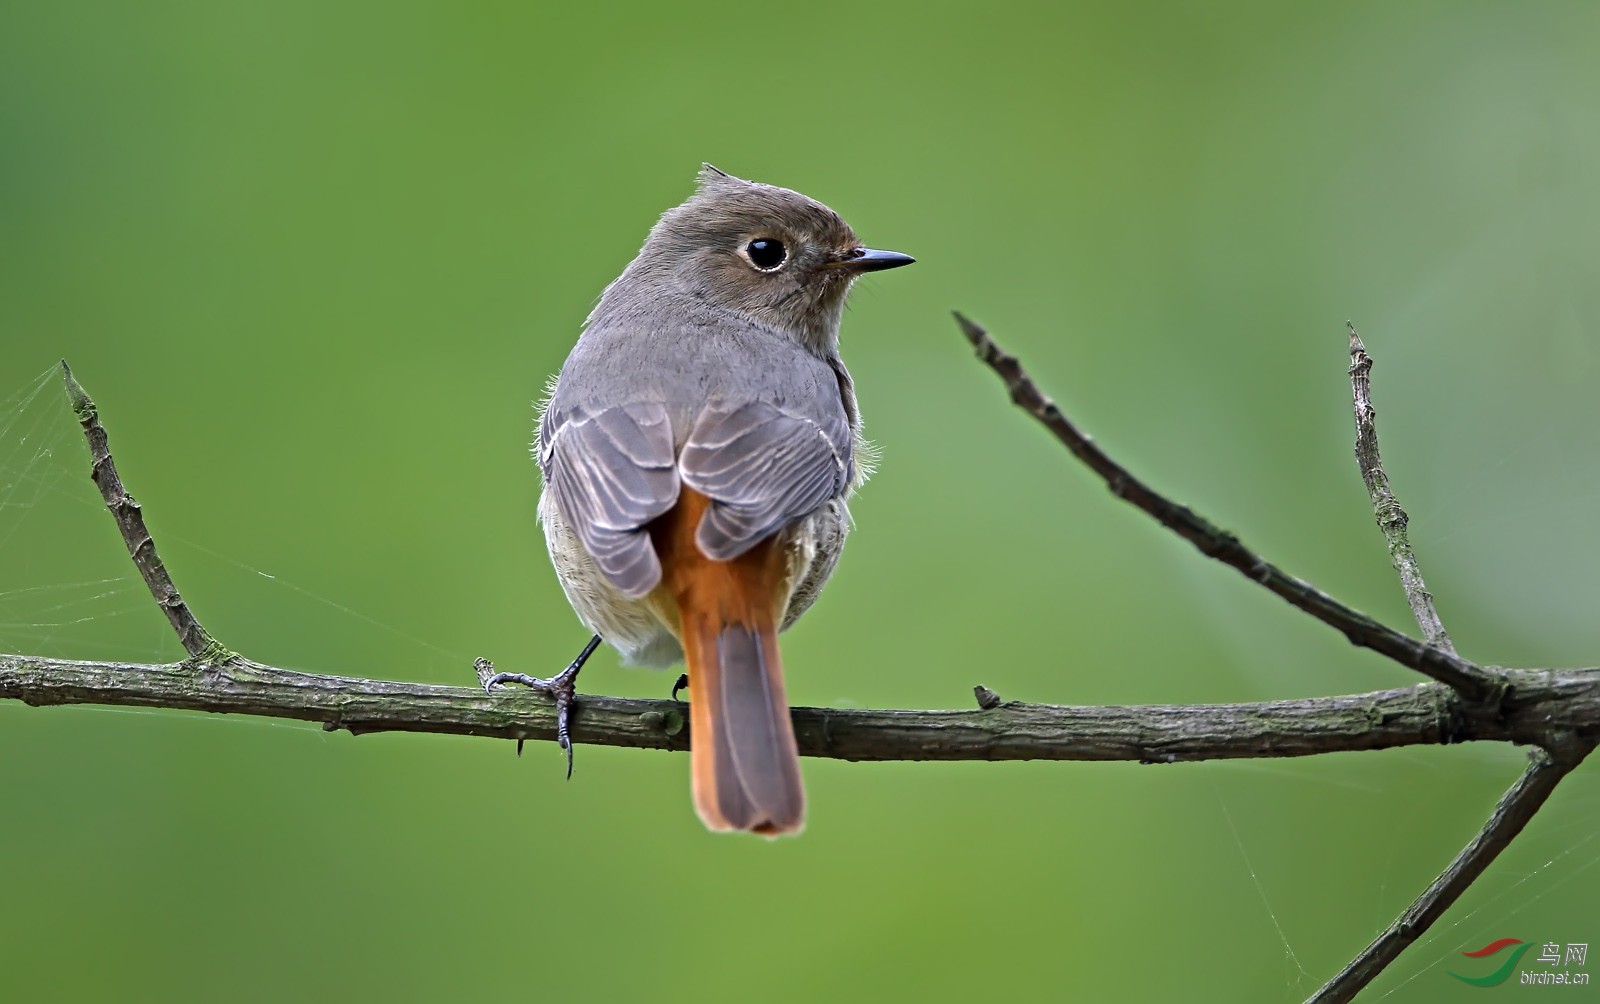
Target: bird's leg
(562,688)
(683,681)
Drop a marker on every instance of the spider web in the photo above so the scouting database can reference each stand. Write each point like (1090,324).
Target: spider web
(47,606)
(67,587)
(68,590)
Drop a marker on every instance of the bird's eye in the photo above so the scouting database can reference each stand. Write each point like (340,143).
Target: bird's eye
(767,254)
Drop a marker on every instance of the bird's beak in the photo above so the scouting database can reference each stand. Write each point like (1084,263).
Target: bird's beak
(868,260)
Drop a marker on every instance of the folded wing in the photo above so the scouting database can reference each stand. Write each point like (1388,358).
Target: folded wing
(763,468)
(612,472)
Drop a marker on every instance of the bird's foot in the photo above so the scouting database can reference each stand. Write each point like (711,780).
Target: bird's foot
(561,688)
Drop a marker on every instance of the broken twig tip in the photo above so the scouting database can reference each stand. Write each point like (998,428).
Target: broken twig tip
(988,700)
(973,330)
(81,405)
(1356,344)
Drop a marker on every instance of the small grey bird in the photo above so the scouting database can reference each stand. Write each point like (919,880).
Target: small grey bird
(697,450)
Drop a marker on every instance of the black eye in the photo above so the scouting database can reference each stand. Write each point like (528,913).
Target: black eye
(766,254)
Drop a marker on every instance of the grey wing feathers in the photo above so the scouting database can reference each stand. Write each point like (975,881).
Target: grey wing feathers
(763,468)
(612,472)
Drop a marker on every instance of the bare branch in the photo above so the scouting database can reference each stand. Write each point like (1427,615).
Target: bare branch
(1543,703)
(196,640)
(1516,807)
(1558,711)
(1392,519)
(1481,688)
(1471,680)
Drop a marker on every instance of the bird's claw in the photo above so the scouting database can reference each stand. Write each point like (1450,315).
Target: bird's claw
(561,688)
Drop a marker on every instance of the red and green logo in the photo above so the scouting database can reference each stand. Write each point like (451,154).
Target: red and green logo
(1494,948)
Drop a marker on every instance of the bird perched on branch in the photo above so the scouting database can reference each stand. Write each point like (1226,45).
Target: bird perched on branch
(698,449)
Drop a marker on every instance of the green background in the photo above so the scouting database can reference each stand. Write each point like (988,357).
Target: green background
(315,262)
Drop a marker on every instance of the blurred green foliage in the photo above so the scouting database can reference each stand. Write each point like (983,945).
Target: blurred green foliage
(315,262)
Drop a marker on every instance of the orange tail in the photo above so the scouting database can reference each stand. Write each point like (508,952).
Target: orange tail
(745,763)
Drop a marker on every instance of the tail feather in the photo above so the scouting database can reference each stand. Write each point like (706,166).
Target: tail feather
(745,763)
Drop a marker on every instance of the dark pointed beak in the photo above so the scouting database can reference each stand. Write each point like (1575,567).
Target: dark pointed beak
(868,260)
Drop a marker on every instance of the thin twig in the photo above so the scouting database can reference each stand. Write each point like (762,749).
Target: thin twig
(1545,703)
(196,640)
(1516,807)
(1392,519)
(1471,680)
(1559,711)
